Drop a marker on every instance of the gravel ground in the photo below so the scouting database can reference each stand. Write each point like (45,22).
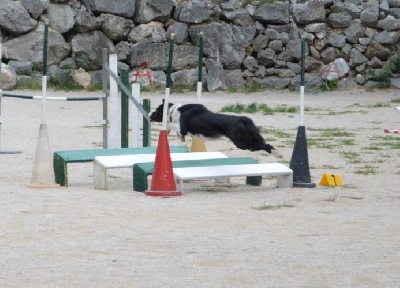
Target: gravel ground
(214,235)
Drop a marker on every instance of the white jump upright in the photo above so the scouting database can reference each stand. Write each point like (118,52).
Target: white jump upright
(115,106)
(135,120)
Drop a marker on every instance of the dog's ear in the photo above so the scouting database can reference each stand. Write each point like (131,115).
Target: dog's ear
(163,100)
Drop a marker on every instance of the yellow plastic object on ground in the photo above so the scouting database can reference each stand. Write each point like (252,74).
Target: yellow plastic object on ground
(331,180)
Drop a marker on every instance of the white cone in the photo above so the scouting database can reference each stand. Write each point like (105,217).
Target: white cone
(43,173)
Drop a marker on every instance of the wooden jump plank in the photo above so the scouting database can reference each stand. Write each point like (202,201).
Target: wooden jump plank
(103,164)
(141,171)
(62,158)
(282,172)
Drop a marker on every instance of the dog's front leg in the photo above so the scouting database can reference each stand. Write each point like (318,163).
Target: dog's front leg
(177,129)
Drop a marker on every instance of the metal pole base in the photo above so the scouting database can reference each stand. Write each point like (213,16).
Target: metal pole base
(304,185)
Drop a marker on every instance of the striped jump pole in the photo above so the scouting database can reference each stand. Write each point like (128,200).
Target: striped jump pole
(53,98)
(392,131)
(43,173)
(163,182)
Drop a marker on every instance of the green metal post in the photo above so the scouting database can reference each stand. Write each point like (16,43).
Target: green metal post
(146,125)
(201,49)
(170,56)
(46,33)
(303,48)
(124,110)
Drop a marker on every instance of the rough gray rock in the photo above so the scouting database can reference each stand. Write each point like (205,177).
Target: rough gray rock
(150,32)
(232,4)
(116,27)
(337,40)
(61,17)
(87,49)
(229,41)
(240,17)
(216,79)
(180,31)
(357,58)
(266,57)
(387,38)
(370,15)
(196,11)
(85,21)
(8,77)
(155,54)
(390,23)
(354,32)
(14,18)
(21,67)
(187,78)
(273,13)
(184,57)
(308,12)
(35,7)
(124,8)
(29,47)
(149,10)
(273,82)
(234,79)
(375,49)
(339,20)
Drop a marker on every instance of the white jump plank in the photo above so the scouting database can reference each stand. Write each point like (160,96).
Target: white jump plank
(283,173)
(102,164)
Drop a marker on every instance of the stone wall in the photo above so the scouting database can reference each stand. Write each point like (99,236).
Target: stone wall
(244,41)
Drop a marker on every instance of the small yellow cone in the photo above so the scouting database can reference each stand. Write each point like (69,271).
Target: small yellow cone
(331,180)
(198,145)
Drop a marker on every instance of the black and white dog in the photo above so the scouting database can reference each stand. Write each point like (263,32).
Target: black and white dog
(197,120)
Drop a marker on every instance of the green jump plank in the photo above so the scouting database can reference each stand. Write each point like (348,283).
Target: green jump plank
(142,170)
(62,158)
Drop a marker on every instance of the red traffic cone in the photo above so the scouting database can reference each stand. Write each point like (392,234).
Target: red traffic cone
(163,181)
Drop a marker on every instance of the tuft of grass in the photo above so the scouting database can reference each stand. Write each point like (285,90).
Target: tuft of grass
(335,132)
(352,157)
(30,85)
(236,108)
(253,87)
(95,87)
(276,132)
(378,105)
(232,90)
(254,108)
(348,142)
(273,207)
(366,170)
(266,110)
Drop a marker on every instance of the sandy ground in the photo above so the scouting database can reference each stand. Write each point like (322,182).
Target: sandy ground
(212,236)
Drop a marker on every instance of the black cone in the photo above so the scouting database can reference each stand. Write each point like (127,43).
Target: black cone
(299,161)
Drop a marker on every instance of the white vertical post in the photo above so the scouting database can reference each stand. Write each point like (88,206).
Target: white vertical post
(199,91)
(165,109)
(115,106)
(135,122)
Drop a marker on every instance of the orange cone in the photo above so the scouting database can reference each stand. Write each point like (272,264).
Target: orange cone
(163,181)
